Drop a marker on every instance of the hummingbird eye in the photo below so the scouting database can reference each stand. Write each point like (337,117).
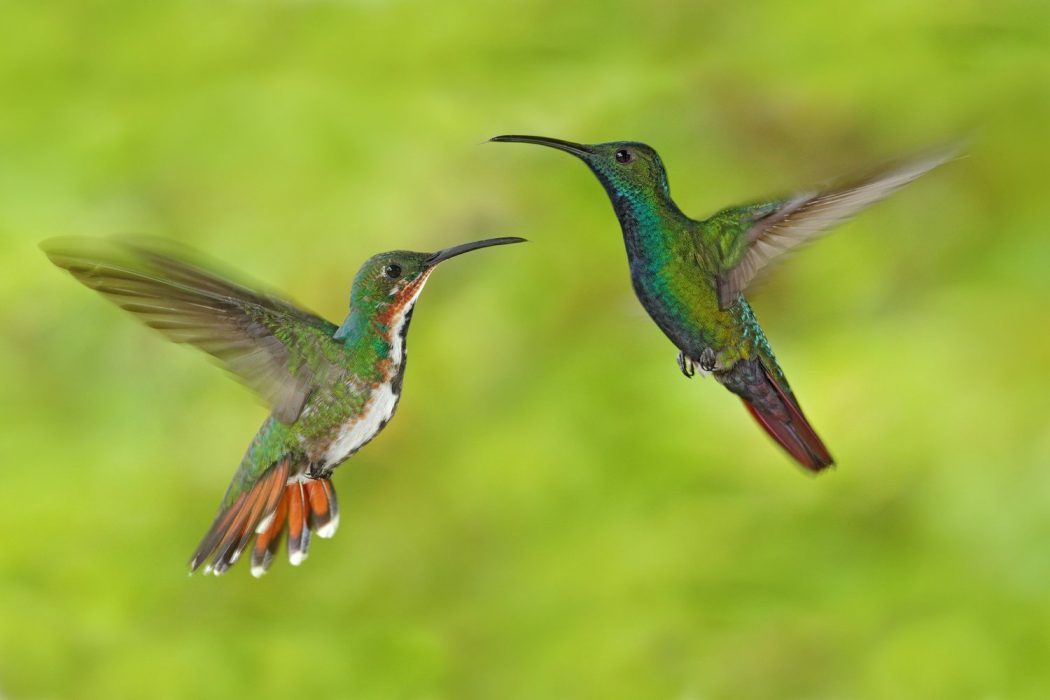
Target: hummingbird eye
(392,271)
(624,156)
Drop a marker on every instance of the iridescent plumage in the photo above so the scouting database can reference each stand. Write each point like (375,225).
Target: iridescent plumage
(690,275)
(332,388)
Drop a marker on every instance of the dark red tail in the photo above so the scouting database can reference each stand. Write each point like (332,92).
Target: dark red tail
(778,412)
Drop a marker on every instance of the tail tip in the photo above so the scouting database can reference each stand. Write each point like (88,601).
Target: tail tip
(274,506)
(327,531)
(821,465)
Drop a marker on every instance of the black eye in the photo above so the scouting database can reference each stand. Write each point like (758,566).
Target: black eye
(624,156)
(392,271)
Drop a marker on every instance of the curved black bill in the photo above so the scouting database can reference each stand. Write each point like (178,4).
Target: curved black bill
(577,149)
(455,250)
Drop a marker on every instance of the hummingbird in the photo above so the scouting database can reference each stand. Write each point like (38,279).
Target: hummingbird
(332,388)
(690,275)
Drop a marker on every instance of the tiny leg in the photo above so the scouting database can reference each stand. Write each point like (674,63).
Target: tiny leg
(686,365)
(707,360)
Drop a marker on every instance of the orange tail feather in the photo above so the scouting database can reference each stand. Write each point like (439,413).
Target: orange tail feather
(324,509)
(269,540)
(275,504)
(229,534)
(298,527)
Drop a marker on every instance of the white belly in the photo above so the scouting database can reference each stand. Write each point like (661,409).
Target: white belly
(356,433)
(381,407)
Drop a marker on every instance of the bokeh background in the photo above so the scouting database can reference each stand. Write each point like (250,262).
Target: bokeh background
(555,512)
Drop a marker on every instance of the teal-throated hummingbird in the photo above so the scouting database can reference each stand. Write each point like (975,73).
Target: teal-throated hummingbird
(690,275)
(332,388)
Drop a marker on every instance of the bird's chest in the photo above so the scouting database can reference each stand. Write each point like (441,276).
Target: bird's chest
(357,429)
(370,415)
(672,292)
(679,296)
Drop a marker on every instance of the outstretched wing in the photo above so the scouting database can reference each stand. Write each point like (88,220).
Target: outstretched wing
(748,238)
(274,347)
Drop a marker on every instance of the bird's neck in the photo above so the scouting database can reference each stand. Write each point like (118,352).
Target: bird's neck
(375,339)
(375,347)
(647,218)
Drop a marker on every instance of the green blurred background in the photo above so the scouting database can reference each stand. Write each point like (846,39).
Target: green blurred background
(555,512)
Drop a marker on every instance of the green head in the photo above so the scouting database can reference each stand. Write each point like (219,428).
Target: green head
(631,172)
(388,284)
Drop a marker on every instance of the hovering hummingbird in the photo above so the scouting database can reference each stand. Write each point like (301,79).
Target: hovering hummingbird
(332,388)
(690,275)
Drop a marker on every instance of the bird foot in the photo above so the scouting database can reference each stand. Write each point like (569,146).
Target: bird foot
(708,360)
(686,365)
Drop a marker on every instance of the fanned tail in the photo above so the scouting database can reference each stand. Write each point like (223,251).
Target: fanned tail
(233,526)
(276,503)
(777,411)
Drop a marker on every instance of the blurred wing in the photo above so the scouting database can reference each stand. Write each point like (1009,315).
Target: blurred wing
(277,349)
(762,233)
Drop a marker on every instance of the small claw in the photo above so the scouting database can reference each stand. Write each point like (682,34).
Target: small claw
(708,360)
(686,365)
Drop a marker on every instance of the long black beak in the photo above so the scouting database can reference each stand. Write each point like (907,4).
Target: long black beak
(455,250)
(577,149)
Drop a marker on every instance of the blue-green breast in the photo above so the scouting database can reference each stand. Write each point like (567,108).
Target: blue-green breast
(675,281)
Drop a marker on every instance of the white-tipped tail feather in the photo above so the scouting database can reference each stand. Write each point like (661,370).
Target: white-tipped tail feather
(265,523)
(327,530)
(277,505)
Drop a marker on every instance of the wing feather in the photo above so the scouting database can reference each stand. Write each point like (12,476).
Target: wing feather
(273,346)
(770,230)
